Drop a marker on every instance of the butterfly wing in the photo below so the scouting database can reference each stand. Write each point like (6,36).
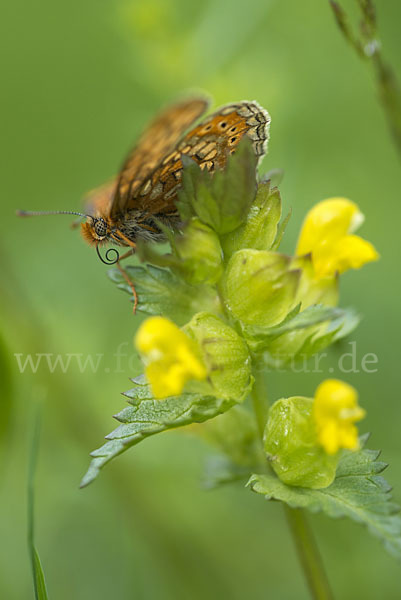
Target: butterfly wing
(157,141)
(210,143)
(98,202)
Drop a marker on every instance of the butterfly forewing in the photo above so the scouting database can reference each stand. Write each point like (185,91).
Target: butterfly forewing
(157,142)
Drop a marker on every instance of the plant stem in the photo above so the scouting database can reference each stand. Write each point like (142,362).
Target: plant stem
(367,45)
(260,400)
(308,554)
(307,550)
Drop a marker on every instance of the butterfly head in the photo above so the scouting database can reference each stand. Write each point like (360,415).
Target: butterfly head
(95,230)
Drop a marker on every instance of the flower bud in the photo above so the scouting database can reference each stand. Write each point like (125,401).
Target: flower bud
(258,287)
(224,353)
(201,254)
(291,444)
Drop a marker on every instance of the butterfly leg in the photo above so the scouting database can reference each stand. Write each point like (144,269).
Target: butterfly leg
(126,276)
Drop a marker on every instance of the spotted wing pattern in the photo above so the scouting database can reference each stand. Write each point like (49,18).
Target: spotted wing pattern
(157,141)
(209,144)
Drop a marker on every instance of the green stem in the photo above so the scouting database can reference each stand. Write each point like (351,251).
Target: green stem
(308,554)
(260,400)
(368,47)
(307,550)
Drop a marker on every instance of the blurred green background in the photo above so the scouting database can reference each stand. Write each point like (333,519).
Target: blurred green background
(80,80)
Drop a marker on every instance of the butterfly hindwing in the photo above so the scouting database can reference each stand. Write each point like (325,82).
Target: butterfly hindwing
(210,144)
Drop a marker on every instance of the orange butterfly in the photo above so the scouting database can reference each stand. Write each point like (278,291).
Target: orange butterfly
(144,193)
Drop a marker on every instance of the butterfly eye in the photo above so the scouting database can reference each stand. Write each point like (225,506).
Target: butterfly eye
(100,227)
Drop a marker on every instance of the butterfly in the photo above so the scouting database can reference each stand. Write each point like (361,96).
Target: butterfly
(144,194)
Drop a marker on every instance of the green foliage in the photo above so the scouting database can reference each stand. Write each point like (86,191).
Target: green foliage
(259,287)
(147,416)
(300,343)
(290,442)
(221,201)
(243,305)
(338,328)
(162,292)
(259,231)
(281,230)
(39,578)
(342,322)
(236,297)
(225,354)
(358,492)
(199,252)
(296,320)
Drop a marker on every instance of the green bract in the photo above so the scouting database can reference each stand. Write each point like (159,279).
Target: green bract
(200,252)
(258,287)
(223,200)
(224,353)
(260,228)
(290,442)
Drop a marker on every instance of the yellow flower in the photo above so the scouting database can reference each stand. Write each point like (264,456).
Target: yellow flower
(327,234)
(335,410)
(169,355)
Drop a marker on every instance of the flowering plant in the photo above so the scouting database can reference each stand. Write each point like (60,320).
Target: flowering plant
(225,304)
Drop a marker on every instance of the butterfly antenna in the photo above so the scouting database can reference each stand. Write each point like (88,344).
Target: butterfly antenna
(39,213)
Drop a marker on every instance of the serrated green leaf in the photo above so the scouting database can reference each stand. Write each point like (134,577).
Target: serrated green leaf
(259,338)
(358,492)
(312,340)
(221,200)
(338,328)
(147,417)
(310,316)
(161,292)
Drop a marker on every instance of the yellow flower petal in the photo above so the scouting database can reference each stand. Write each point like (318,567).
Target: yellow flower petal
(349,252)
(326,235)
(170,356)
(335,411)
(328,220)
